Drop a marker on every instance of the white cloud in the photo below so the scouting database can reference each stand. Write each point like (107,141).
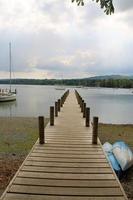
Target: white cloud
(57,37)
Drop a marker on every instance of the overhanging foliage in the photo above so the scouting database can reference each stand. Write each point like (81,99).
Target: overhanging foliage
(107,5)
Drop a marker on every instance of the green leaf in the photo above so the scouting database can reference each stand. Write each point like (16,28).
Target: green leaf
(107,4)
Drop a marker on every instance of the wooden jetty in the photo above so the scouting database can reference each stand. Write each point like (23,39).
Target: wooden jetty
(68,166)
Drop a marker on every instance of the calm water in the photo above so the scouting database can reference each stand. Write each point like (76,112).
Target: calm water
(32,101)
(111,105)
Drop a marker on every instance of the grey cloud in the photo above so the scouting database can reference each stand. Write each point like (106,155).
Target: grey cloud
(56,9)
(123,5)
(56,66)
(49,50)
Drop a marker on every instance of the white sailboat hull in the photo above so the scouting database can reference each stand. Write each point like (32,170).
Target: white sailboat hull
(59,88)
(8,97)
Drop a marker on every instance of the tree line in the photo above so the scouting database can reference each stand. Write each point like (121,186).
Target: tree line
(88,82)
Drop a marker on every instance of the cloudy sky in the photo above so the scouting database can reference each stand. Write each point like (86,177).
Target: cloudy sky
(57,39)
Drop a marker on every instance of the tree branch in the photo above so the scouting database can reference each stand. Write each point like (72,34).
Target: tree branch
(107,5)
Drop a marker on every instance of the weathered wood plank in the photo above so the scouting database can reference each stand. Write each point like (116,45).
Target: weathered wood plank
(12,196)
(57,164)
(97,170)
(66,176)
(72,136)
(68,152)
(85,149)
(66,191)
(70,145)
(67,183)
(36,154)
(66,160)
(64,141)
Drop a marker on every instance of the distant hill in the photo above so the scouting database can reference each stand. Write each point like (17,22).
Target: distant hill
(112,81)
(106,77)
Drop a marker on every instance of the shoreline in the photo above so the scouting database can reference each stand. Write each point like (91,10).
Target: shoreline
(17,139)
(17,136)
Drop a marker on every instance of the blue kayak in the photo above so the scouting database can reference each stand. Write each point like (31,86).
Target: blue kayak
(115,164)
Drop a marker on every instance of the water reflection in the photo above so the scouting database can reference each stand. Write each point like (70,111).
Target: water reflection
(111,105)
(7,108)
(31,101)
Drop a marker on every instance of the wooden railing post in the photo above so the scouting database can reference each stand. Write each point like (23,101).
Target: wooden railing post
(82,105)
(80,102)
(61,101)
(56,109)
(95,130)
(41,130)
(87,121)
(84,110)
(51,115)
(79,99)
(59,105)
(63,98)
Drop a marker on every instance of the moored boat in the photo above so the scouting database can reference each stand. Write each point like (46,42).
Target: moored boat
(60,88)
(7,97)
(5,94)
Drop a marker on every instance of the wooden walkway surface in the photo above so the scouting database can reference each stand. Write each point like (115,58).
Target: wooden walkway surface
(68,166)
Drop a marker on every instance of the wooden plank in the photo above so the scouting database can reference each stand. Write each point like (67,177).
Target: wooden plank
(12,196)
(66,160)
(64,133)
(65,141)
(66,176)
(81,156)
(59,164)
(58,139)
(66,191)
(67,183)
(67,152)
(86,149)
(71,136)
(97,170)
(70,145)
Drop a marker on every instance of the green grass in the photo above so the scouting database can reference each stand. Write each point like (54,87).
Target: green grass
(112,133)
(17,135)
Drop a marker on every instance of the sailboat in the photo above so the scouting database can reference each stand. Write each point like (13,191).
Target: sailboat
(60,87)
(8,94)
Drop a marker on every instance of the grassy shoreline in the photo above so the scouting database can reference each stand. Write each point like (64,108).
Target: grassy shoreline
(18,134)
(113,132)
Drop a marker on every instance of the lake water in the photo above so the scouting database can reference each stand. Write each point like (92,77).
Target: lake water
(110,105)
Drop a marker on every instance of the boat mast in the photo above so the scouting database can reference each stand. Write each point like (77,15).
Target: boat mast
(10,63)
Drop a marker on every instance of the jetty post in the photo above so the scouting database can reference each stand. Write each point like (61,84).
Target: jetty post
(87,117)
(51,115)
(95,130)
(41,130)
(59,105)
(84,110)
(82,105)
(56,109)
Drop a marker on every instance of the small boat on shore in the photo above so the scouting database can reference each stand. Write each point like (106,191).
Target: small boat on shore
(60,88)
(5,94)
